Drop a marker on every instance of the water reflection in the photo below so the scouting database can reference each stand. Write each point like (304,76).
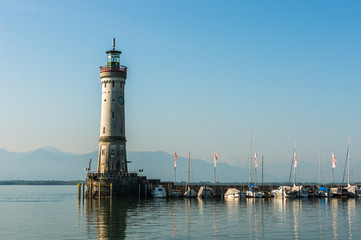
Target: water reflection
(109,218)
(334,217)
(296,206)
(174,208)
(188,207)
(256,216)
(214,218)
(214,221)
(350,206)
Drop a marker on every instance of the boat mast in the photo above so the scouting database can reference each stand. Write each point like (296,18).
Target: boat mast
(319,166)
(292,163)
(294,177)
(214,168)
(250,162)
(255,169)
(189,168)
(262,170)
(175,166)
(347,163)
(255,175)
(332,173)
(175,175)
(294,166)
(348,160)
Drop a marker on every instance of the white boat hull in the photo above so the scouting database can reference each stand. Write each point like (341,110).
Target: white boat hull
(159,192)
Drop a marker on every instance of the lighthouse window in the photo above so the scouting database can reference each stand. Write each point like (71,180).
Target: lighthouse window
(112,114)
(103,129)
(113,83)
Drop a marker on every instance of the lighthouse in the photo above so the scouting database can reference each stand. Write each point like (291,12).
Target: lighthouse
(112,178)
(112,156)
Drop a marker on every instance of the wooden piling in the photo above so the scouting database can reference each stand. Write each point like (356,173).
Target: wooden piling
(83,186)
(79,190)
(99,191)
(90,191)
(111,190)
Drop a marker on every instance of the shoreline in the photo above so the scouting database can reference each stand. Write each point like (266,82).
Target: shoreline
(40,182)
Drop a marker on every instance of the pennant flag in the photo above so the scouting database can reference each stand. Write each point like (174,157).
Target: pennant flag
(333,160)
(175,159)
(215,159)
(255,160)
(295,159)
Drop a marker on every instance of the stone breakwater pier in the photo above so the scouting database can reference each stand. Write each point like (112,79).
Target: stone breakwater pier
(120,185)
(131,185)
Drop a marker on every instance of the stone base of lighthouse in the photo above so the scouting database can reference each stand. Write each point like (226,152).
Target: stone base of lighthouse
(126,185)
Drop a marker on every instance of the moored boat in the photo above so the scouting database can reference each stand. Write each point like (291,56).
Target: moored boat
(190,193)
(232,193)
(174,193)
(323,192)
(205,192)
(281,191)
(159,192)
(253,192)
(339,192)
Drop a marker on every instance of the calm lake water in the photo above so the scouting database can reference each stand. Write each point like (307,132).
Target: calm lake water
(54,212)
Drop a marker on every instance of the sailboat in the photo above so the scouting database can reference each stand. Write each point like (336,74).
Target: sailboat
(321,191)
(190,193)
(253,191)
(352,191)
(296,191)
(348,191)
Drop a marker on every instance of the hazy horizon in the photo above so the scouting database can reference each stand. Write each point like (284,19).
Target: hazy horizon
(49,163)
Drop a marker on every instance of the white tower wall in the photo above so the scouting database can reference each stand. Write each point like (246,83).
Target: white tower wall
(112,156)
(112,121)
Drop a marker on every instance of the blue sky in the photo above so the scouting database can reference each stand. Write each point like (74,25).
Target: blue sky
(202,75)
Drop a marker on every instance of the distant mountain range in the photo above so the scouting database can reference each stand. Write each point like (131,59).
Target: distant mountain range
(49,163)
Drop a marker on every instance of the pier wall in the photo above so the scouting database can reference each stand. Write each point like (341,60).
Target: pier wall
(131,185)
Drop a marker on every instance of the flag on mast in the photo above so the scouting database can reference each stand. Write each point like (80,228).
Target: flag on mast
(175,159)
(255,160)
(215,159)
(295,159)
(333,160)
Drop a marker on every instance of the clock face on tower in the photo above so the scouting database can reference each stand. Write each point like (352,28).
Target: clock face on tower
(121,100)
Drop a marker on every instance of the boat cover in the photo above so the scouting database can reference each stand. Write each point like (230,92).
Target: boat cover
(232,191)
(324,189)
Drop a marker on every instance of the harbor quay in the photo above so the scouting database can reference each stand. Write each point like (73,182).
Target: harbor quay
(220,189)
(132,185)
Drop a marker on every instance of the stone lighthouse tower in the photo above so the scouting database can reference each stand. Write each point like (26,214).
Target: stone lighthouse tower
(112,178)
(112,156)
